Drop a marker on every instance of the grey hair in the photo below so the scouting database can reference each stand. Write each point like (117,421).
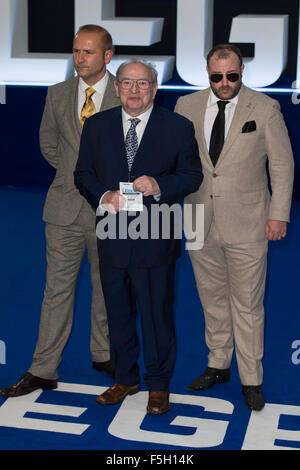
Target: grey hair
(149,66)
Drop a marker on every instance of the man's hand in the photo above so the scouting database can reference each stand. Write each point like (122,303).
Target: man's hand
(113,201)
(275,229)
(146,185)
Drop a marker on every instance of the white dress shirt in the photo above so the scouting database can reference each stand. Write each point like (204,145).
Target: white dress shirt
(212,111)
(141,126)
(96,97)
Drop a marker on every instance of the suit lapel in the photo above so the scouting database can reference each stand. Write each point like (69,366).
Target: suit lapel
(244,107)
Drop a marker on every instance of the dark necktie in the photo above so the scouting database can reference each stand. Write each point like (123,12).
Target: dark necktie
(217,133)
(131,142)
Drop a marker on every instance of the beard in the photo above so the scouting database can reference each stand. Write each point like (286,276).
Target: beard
(226,92)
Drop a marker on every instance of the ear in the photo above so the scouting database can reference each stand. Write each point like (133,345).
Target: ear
(108,56)
(207,70)
(155,88)
(116,88)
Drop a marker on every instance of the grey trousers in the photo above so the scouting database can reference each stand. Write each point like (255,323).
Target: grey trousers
(66,247)
(231,284)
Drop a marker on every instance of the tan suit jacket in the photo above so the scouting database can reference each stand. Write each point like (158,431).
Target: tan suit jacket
(60,134)
(235,192)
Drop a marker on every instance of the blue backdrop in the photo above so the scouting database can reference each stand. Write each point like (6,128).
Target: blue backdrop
(22,163)
(24,179)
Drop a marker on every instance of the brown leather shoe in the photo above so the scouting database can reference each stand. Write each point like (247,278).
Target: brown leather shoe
(158,402)
(104,367)
(27,384)
(116,394)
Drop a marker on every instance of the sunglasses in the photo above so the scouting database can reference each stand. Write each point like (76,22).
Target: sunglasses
(217,77)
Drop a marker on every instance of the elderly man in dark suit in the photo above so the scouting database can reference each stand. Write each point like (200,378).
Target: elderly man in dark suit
(162,166)
(70,221)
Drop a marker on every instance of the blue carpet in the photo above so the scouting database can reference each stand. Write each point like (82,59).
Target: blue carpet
(69,418)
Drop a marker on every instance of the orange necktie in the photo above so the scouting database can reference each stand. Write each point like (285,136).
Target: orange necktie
(88,108)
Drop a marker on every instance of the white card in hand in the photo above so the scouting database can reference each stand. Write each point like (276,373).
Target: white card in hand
(134,199)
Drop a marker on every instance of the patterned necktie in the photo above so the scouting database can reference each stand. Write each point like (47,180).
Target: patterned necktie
(217,133)
(131,142)
(88,108)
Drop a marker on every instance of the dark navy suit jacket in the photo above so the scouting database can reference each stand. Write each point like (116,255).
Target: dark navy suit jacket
(168,152)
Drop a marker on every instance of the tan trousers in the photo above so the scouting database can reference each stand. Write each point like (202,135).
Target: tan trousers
(231,285)
(66,247)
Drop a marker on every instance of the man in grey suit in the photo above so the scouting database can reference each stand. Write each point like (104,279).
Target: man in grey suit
(238,130)
(70,221)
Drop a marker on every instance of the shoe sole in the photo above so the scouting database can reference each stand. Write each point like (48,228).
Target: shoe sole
(48,387)
(160,412)
(43,387)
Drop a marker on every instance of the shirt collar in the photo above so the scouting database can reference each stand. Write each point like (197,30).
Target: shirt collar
(212,99)
(143,117)
(99,86)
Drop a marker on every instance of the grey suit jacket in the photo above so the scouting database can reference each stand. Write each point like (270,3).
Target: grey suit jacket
(60,133)
(235,192)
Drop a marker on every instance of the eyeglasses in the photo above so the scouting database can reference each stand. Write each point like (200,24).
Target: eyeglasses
(128,83)
(217,77)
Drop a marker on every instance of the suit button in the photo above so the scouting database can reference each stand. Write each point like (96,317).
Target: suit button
(214,175)
(211,196)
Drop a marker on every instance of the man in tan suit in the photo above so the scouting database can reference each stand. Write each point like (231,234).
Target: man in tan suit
(70,221)
(236,138)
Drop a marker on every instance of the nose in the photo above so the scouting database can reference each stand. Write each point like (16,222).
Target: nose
(225,81)
(135,87)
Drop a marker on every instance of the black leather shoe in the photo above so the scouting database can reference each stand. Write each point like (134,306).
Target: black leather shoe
(253,397)
(27,384)
(209,378)
(104,367)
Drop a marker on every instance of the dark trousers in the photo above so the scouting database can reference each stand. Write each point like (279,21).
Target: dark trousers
(153,291)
